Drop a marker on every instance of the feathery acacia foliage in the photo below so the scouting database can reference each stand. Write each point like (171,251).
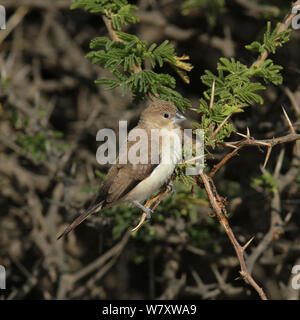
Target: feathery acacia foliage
(45,105)
(120,57)
(236,85)
(119,11)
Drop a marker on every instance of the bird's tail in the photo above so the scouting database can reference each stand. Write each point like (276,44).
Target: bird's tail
(93,209)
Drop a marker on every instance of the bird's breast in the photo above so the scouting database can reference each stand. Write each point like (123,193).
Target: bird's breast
(161,173)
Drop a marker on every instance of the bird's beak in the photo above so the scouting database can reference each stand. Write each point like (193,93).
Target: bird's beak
(179,117)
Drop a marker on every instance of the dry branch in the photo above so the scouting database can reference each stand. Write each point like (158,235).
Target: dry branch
(219,209)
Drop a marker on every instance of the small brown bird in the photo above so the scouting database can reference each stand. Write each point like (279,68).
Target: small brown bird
(133,183)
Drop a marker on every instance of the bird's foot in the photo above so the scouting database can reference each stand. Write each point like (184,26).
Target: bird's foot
(170,187)
(148,211)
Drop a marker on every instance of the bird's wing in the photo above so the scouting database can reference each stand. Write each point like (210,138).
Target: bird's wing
(122,178)
(127,178)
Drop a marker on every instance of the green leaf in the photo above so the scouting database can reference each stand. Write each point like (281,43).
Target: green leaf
(255,46)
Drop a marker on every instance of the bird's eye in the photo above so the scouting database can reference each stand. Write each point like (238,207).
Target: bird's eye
(166,115)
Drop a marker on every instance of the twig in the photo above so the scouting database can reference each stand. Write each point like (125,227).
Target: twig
(219,210)
(13,22)
(212,96)
(114,37)
(283,26)
(156,199)
(213,135)
(276,225)
(266,142)
(267,156)
(223,161)
(293,100)
(249,141)
(67,281)
(288,121)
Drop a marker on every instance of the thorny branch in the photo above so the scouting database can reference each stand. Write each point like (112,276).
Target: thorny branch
(215,200)
(220,210)
(35,198)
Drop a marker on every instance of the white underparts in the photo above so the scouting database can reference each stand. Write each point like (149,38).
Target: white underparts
(161,173)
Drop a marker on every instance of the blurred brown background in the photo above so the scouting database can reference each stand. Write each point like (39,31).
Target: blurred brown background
(50,112)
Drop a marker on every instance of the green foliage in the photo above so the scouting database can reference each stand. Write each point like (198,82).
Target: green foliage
(265,183)
(167,94)
(269,71)
(237,86)
(128,52)
(181,176)
(122,58)
(17,121)
(211,8)
(119,11)
(202,236)
(233,88)
(39,145)
(36,145)
(5,83)
(272,39)
(89,190)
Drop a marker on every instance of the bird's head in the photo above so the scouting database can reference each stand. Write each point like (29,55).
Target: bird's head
(161,115)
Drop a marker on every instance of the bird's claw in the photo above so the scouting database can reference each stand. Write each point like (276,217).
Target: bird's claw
(148,212)
(170,187)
